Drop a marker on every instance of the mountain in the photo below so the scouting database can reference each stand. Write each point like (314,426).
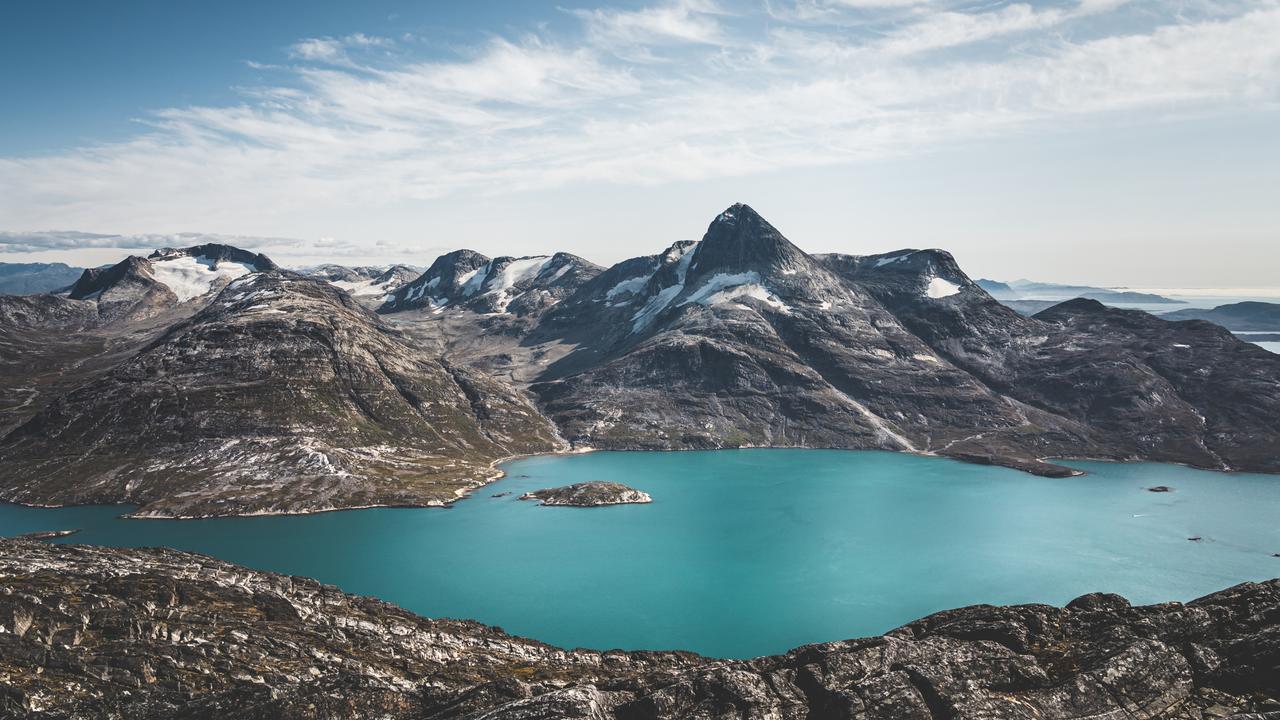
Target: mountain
(742,339)
(1121,297)
(33,278)
(1028,290)
(138,288)
(156,633)
(1241,317)
(367,280)
(997,289)
(282,395)
(505,285)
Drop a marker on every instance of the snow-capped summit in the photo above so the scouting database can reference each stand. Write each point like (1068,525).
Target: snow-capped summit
(142,287)
(505,285)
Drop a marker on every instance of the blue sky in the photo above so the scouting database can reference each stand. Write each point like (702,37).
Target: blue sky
(1107,141)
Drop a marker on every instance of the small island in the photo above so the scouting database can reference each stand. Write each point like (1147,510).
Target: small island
(47,534)
(589,494)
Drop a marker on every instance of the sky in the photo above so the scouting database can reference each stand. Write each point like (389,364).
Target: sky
(1111,142)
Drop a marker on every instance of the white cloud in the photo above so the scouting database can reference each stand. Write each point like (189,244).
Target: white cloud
(334,50)
(681,21)
(735,98)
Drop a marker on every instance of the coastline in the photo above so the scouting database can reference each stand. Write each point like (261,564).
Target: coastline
(1063,472)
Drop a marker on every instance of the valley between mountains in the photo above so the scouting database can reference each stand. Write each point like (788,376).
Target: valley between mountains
(207,381)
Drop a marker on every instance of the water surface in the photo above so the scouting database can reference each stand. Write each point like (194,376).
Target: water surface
(747,552)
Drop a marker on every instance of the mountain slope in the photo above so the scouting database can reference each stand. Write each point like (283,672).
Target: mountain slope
(1130,384)
(283,395)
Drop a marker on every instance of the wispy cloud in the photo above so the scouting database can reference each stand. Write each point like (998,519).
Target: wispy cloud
(675,21)
(334,50)
(46,240)
(735,95)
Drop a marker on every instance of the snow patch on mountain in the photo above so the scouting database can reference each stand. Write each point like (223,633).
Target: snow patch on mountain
(725,288)
(630,285)
(191,277)
(894,258)
(664,297)
(939,288)
(366,287)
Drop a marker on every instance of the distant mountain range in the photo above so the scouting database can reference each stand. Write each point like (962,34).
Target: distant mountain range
(33,278)
(1240,317)
(207,381)
(1029,297)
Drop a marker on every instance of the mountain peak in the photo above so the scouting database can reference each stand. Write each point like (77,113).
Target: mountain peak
(740,238)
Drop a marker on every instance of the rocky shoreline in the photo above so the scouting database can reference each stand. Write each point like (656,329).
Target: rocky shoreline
(155,633)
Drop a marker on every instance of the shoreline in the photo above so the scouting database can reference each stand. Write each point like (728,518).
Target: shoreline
(499,474)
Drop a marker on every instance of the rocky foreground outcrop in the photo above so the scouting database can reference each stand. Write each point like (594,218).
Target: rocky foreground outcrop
(155,633)
(589,494)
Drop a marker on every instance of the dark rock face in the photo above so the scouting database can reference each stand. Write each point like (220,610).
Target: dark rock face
(283,395)
(124,291)
(1243,316)
(589,494)
(96,632)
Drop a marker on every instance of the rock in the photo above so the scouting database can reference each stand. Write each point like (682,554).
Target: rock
(155,633)
(589,494)
(1160,489)
(47,534)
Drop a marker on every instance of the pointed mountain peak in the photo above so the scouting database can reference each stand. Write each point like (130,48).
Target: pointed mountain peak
(740,239)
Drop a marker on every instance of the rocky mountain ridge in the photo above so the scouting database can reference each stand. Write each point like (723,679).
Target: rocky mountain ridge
(156,633)
(372,281)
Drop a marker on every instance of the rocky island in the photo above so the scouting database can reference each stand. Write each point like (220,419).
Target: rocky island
(589,494)
(155,633)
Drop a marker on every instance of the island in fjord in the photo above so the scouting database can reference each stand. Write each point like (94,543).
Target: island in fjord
(589,494)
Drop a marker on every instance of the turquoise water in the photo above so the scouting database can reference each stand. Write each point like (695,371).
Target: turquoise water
(746,552)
